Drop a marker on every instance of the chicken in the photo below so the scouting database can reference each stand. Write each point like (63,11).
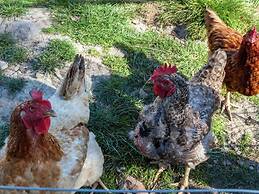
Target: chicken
(83,158)
(242,69)
(175,128)
(33,154)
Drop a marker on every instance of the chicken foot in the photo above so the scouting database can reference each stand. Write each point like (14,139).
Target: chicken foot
(162,168)
(99,182)
(185,180)
(226,106)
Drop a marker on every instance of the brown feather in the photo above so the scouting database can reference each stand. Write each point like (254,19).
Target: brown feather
(242,69)
(30,161)
(219,34)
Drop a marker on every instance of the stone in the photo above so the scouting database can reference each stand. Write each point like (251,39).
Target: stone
(24,30)
(142,93)
(251,168)
(39,75)
(116,52)
(3,65)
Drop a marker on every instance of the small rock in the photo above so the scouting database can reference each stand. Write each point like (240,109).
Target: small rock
(39,75)
(24,30)
(251,168)
(139,26)
(3,65)
(133,184)
(16,68)
(116,52)
(142,93)
(180,31)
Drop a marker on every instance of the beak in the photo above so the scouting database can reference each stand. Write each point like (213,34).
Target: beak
(50,113)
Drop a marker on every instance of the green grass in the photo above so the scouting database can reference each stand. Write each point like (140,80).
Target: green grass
(219,128)
(93,23)
(245,143)
(13,85)
(14,8)
(110,25)
(10,51)
(117,100)
(55,55)
(238,14)
(239,98)
(94,52)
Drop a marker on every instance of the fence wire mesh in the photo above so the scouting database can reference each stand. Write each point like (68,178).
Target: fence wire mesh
(57,190)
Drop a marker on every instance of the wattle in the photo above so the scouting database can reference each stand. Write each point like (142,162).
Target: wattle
(42,126)
(158,91)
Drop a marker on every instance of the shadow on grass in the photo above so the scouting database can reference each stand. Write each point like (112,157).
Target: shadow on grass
(115,112)
(227,170)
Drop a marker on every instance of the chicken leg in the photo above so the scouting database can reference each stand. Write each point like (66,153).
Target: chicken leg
(162,168)
(226,106)
(185,180)
(99,182)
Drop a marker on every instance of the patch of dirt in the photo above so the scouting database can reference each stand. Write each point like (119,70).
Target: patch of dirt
(149,13)
(27,30)
(245,122)
(148,20)
(27,27)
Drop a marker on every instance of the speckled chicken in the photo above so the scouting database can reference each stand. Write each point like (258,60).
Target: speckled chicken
(242,69)
(175,128)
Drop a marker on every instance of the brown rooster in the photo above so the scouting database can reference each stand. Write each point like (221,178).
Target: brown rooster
(175,128)
(242,69)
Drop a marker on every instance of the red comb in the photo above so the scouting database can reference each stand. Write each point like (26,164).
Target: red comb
(36,94)
(253,32)
(252,35)
(163,70)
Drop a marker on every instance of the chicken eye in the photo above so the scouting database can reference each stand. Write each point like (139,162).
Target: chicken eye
(31,109)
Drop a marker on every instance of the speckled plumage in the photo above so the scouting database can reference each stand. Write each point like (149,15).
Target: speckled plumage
(177,128)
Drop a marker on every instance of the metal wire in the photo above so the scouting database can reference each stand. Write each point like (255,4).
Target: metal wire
(125,191)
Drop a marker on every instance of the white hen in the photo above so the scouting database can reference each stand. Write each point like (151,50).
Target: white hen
(82,164)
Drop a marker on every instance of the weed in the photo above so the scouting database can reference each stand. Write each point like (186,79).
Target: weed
(94,52)
(245,144)
(238,14)
(55,55)
(10,51)
(117,64)
(219,129)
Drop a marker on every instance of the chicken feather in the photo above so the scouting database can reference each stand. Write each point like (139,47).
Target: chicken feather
(176,128)
(242,69)
(82,163)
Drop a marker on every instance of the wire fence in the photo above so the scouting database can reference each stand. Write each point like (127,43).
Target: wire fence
(57,190)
